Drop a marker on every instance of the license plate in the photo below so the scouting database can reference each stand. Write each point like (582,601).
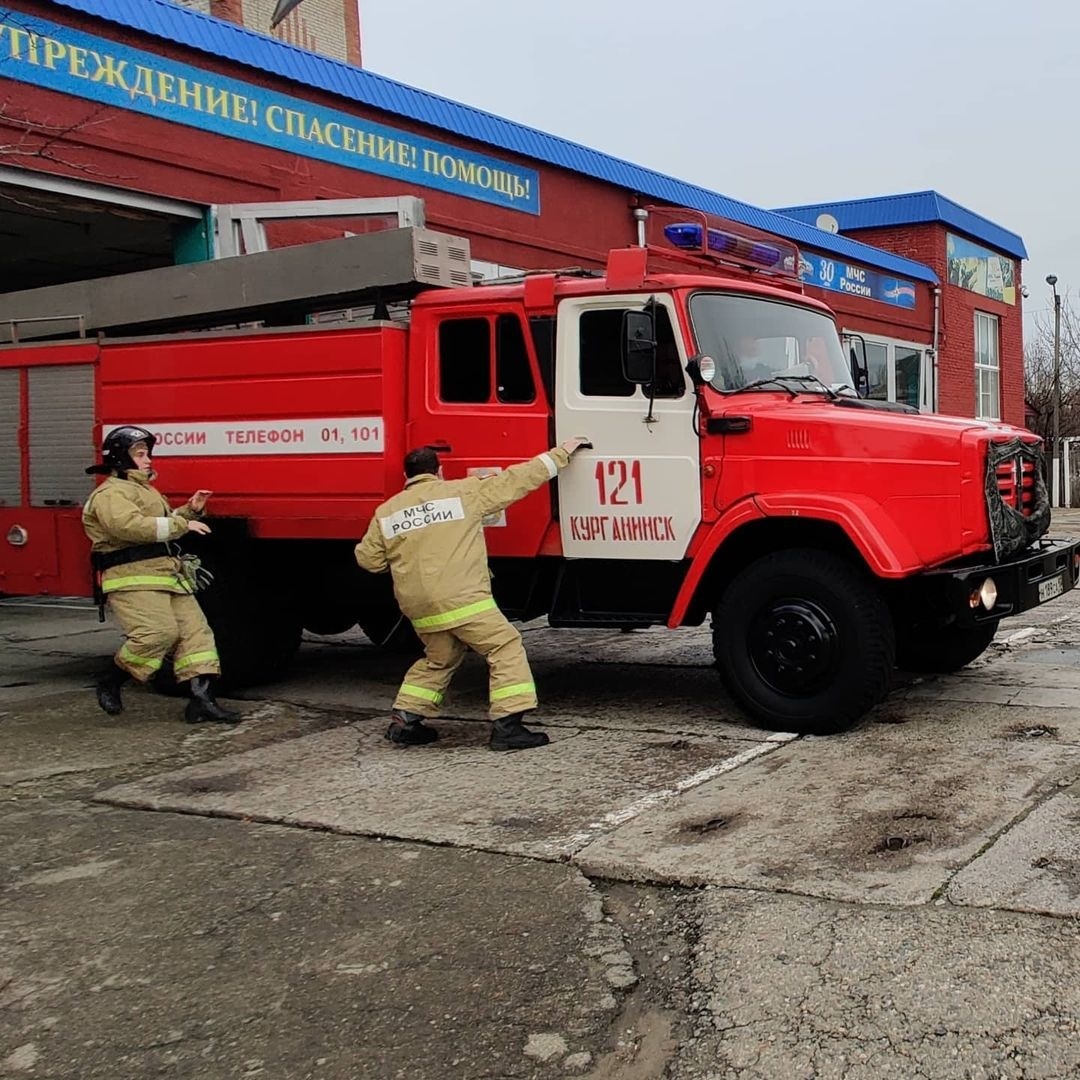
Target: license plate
(1050,588)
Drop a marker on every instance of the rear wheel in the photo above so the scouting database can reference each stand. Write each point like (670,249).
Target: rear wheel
(253,615)
(804,641)
(390,630)
(940,650)
(255,640)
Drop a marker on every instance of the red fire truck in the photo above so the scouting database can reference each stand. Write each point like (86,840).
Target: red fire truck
(734,473)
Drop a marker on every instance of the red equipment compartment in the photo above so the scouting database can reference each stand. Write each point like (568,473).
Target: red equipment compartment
(47,430)
(226,388)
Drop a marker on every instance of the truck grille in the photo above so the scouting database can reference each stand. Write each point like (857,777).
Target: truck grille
(1017,501)
(1016,484)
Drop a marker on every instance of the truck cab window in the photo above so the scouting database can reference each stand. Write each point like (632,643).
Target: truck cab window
(600,337)
(513,375)
(465,362)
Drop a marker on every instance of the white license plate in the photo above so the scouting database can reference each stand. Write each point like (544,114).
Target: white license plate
(1050,588)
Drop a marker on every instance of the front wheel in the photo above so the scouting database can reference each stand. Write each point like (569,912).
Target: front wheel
(941,650)
(804,642)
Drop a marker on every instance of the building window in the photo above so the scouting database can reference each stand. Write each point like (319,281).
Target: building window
(987,368)
(489,271)
(899,371)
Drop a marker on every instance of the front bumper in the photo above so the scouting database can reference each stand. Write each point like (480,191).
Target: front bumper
(1039,574)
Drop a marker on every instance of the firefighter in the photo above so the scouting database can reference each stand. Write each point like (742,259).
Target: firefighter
(147,583)
(431,538)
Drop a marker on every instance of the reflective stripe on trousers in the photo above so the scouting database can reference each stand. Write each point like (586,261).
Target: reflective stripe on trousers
(511,686)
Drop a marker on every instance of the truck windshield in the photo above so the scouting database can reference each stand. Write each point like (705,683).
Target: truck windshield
(754,341)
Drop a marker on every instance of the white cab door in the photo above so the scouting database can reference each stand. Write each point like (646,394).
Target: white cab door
(637,493)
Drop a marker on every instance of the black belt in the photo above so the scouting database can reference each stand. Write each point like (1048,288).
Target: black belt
(106,560)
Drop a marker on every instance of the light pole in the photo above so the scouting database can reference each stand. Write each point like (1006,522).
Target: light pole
(1059,478)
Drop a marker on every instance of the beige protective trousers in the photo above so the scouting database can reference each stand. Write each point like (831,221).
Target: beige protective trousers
(511,687)
(157,624)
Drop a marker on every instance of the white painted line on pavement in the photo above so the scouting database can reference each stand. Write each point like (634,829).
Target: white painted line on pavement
(615,818)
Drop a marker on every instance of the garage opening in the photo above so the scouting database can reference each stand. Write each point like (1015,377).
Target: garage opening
(57,230)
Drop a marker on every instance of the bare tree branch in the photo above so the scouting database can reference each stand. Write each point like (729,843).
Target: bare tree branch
(1039,371)
(37,137)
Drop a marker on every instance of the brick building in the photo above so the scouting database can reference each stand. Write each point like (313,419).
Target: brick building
(980,346)
(329,27)
(167,115)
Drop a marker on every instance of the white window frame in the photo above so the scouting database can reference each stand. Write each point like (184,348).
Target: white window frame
(990,369)
(926,370)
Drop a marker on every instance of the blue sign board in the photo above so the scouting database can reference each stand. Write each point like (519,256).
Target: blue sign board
(827,272)
(58,58)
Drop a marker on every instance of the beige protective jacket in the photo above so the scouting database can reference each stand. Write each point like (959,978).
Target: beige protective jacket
(431,539)
(124,512)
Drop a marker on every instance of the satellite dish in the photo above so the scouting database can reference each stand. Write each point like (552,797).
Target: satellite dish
(828,223)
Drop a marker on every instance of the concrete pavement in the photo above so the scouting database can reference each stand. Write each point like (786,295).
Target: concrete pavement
(666,891)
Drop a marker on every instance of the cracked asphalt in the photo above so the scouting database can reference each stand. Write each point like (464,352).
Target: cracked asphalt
(664,892)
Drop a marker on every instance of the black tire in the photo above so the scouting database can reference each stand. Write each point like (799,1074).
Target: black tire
(804,642)
(256,627)
(327,620)
(390,631)
(940,650)
(164,681)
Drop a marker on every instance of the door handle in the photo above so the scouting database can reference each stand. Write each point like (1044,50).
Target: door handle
(442,447)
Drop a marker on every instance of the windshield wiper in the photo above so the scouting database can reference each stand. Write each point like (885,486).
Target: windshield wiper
(782,380)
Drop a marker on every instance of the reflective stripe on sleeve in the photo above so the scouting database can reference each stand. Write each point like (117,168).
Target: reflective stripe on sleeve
(162,527)
(429,622)
(549,462)
(182,662)
(144,580)
(521,688)
(424,695)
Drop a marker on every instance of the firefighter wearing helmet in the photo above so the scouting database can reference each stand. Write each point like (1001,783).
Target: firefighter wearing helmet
(146,582)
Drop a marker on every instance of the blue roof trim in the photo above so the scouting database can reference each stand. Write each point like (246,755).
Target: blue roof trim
(182,26)
(910,209)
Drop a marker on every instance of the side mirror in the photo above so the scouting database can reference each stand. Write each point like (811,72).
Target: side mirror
(860,371)
(639,347)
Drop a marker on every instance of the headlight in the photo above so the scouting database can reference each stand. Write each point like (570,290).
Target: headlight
(988,594)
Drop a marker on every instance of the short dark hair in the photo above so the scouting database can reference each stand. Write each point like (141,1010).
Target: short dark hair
(420,461)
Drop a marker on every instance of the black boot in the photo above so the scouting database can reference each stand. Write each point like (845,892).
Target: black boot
(509,733)
(108,690)
(409,729)
(203,705)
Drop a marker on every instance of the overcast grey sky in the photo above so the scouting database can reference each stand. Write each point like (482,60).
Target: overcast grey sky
(778,102)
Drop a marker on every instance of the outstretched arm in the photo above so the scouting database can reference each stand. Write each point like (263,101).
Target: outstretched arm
(499,491)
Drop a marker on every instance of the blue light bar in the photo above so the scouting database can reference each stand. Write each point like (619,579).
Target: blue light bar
(688,235)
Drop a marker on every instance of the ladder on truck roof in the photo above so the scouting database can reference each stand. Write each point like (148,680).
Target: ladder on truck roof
(282,287)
